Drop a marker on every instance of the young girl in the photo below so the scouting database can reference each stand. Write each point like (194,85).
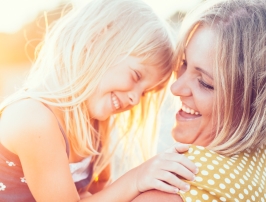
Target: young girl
(97,61)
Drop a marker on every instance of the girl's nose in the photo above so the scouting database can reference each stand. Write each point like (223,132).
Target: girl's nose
(181,87)
(134,98)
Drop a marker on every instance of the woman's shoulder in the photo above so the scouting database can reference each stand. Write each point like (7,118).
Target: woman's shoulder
(240,177)
(24,121)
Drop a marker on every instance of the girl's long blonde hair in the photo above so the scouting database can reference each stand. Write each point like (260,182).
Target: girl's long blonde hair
(77,51)
(239,69)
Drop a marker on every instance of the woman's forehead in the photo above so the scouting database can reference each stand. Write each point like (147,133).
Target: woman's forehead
(201,48)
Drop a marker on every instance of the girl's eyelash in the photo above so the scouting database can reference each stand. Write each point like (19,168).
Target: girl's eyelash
(179,68)
(202,83)
(137,74)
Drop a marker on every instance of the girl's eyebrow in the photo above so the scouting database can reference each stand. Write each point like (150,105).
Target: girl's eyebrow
(204,72)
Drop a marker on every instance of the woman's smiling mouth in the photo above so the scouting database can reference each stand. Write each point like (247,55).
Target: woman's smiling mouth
(115,101)
(189,110)
(186,113)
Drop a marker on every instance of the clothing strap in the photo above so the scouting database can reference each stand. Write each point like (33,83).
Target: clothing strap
(61,129)
(80,185)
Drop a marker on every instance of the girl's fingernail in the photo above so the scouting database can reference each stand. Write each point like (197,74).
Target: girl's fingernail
(197,170)
(194,177)
(176,191)
(187,187)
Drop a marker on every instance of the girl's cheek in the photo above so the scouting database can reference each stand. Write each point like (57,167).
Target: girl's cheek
(126,84)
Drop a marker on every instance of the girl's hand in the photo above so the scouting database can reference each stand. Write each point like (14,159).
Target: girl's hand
(163,171)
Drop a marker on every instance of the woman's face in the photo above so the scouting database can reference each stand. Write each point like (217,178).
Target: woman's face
(194,86)
(121,87)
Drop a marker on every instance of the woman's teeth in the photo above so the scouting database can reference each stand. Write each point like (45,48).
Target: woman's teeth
(189,111)
(115,101)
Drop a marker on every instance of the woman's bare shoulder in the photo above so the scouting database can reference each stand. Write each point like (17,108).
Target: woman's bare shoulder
(157,196)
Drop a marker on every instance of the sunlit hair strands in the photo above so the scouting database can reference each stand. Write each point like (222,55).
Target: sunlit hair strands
(76,52)
(239,70)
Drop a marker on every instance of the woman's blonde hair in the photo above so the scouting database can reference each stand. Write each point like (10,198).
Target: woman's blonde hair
(239,69)
(76,52)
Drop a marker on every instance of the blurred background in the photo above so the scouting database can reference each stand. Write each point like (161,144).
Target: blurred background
(22,27)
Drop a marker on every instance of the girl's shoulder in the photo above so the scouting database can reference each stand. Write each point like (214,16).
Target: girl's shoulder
(30,130)
(26,110)
(25,121)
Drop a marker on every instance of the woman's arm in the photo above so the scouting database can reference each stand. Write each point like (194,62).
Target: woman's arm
(157,196)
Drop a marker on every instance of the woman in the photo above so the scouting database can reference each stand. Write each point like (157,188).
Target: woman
(222,85)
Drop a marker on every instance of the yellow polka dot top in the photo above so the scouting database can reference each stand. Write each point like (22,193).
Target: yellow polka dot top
(238,178)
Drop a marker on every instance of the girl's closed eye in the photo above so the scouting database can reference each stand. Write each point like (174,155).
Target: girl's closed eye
(182,68)
(184,62)
(205,85)
(137,75)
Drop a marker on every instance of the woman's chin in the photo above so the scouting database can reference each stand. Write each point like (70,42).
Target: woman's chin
(186,132)
(181,135)
(191,135)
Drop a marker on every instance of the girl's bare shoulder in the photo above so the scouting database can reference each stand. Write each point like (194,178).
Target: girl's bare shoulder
(30,130)
(26,122)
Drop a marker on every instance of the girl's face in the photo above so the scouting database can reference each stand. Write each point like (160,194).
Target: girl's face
(122,87)
(194,86)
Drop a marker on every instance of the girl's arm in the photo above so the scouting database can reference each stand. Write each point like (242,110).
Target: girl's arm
(157,173)
(30,130)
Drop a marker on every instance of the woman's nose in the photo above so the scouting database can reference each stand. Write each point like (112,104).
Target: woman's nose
(181,87)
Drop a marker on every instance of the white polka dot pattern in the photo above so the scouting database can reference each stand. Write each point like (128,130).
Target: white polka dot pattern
(241,177)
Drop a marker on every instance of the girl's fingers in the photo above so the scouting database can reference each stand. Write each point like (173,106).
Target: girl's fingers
(178,147)
(173,180)
(178,169)
(180,159)
(162,186)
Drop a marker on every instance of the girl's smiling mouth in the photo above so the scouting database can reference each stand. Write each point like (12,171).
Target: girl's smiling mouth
(115,101)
